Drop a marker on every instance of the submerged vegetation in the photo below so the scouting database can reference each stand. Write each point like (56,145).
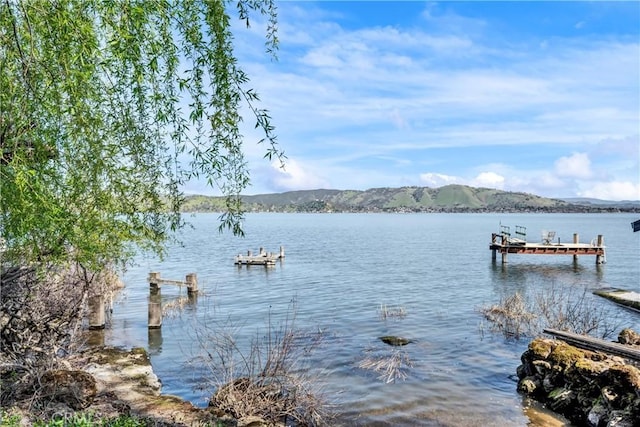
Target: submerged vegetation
(386,312)
(518,315)
(389,368)
(393,365)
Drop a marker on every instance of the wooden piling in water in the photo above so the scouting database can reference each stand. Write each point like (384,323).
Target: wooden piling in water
(96,312)
(155,306)
(155,296)
(192,287)
(600,258)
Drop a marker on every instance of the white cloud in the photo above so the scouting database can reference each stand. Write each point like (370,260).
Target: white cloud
(546,181)
(489,179)
(435,180)
(614,190)
(345,99)
(578,165)
(295,176)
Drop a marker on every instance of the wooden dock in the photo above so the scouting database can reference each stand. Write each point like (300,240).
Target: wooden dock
(505,244)
(267,259)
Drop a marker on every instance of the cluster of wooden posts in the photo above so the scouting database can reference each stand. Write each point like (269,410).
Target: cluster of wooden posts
(96,304)
(155,296)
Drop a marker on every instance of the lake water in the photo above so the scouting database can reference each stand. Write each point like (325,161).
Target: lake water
(338,272)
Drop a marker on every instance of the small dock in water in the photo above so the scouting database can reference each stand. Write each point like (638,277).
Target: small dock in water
(268,259)
(504,244)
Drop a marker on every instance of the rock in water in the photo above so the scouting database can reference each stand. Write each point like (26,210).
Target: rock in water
(395,341)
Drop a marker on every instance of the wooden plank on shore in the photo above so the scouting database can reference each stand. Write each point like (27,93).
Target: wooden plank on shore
(595,344)
(623,297)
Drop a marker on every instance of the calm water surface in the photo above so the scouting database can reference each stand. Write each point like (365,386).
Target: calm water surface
(339,270)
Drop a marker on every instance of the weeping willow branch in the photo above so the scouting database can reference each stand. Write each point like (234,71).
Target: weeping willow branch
(107,109)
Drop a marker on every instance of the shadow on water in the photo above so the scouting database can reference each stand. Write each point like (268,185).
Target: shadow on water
(155,341)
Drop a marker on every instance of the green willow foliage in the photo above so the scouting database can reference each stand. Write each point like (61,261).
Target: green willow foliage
(106,109)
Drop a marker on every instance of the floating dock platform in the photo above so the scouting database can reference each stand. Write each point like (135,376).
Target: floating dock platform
(267,259)
(505,244)
(629,299)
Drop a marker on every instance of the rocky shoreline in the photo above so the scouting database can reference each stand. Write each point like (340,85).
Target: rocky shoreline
(589,388)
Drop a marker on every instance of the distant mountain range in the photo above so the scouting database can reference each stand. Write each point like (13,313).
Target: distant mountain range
(598,202)
(450,198)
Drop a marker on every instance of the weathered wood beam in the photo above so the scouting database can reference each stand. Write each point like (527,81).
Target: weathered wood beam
(629,299)
(594,344)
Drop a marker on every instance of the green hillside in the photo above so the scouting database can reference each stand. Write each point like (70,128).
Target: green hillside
(450,198)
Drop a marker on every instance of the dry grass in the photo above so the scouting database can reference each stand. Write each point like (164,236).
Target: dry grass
(268,380)
(510,317)
(575,311)
(567,309)
(389,368)
(41,316)
(385,312)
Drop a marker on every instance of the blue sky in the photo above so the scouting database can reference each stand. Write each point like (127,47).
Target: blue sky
(540,97)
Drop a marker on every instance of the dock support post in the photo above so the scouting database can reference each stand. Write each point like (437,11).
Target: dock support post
(504,257)
(493,255)
(576,240)
(154,278)
(96,312)
(192,286)
(600,258)
(155,301)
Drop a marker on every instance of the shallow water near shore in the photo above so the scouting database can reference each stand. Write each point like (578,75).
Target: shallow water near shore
(339,270)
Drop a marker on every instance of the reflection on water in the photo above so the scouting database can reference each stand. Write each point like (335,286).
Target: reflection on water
(154,342)
(340,269)
(94,338)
